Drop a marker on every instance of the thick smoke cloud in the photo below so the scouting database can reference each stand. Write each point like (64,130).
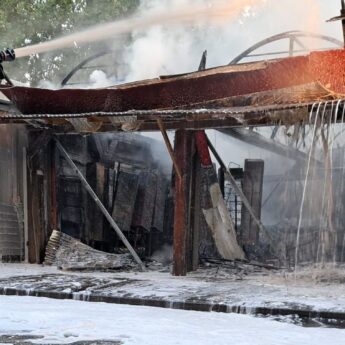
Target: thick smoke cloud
(167,50)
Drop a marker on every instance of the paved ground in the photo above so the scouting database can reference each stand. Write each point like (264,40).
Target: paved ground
(227,289)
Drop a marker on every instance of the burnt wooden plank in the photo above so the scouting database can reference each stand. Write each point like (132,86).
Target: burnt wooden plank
(252,189)
(145,202)
(94,218)
(127,181)
(159,207)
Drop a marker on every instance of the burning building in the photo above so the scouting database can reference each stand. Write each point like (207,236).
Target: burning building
(87,184)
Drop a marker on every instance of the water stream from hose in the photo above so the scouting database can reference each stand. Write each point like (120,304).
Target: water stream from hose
(220,11)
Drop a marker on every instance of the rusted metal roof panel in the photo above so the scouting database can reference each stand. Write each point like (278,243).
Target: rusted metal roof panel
(167,93)
(244,89)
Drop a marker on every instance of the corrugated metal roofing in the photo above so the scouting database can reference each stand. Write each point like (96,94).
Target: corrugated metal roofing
(260,87)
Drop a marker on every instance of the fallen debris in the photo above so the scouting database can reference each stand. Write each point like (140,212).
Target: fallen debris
(67,253)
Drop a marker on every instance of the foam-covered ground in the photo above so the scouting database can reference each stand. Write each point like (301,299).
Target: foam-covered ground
(68,321)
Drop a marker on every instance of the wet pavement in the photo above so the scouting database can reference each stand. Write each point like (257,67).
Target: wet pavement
(217,289)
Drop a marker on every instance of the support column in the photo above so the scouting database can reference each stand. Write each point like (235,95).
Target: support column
(53,187)
(183,153)
(25,206)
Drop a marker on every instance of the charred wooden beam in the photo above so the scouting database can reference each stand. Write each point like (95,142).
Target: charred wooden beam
(39,143)
(183,147)
(53,187)
(25,206)
(252,189)
(169,148)
(186,188)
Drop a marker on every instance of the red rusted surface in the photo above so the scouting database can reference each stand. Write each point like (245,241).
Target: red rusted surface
(202,147)
(329,68)
(325,67)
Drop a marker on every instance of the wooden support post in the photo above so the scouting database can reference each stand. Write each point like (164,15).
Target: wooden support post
(53,188)
(197,217)
(25,206)
(169,147)
(183,152)
(252,189)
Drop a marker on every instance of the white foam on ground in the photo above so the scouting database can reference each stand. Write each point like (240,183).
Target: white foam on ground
(69,321)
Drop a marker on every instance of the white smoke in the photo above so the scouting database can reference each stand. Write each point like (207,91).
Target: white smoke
(172,49)
(99,79)
(177,49)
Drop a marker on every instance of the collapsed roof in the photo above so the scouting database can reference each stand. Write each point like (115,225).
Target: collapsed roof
(261,93)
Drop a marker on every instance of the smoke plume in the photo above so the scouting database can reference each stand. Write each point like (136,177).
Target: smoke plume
(162,49)
(217,11)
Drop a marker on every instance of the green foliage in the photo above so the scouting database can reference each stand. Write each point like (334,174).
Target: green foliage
(24,22)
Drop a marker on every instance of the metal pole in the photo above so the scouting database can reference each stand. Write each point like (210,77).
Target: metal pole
(99,204)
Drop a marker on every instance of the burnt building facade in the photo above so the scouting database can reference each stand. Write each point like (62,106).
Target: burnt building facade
(131,177)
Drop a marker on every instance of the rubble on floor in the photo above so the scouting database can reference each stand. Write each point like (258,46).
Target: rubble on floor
(67,253)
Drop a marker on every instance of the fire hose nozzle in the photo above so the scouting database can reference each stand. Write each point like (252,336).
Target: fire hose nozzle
(7,55)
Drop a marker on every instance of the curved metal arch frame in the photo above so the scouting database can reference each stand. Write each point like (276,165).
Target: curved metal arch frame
(82,64)
(293,36)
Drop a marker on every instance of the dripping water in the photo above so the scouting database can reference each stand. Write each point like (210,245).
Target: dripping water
(324,132)
(306,180)
(331,195)
(342,176)
(321,220)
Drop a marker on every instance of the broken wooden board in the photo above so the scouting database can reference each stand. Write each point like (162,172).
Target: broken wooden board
(67,253)
(216,213)
(159,207)
(126,191)
(220,224)
(145,202)
(252,189)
